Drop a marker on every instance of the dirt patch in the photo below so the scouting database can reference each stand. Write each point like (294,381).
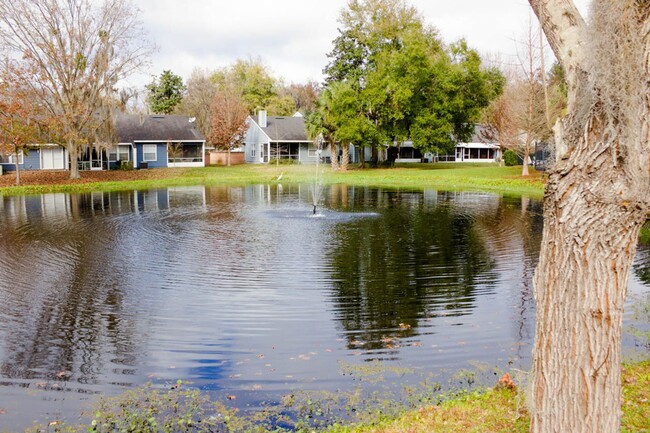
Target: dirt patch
(63,177)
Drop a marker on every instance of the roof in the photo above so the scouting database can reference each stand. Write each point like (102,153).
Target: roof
(480,135)
(135,127)
(284,128)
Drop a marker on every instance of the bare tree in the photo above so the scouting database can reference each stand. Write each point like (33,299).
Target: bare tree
(518,118)
(197,101)
(78,51)
(596,201)
(229,116)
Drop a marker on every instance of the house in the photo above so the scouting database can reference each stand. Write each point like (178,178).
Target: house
(142,142)
(271,138)
(38,157)
(478,149)
(151,141)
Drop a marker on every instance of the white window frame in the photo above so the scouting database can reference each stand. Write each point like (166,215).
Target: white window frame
(11,158)
(146,149)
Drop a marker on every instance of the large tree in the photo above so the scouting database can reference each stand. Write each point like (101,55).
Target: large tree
(197,101)
(77,51)
(408,84)
(596,200)
(164,93)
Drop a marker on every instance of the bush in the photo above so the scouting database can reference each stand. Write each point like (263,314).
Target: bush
(126,165)
(510,158)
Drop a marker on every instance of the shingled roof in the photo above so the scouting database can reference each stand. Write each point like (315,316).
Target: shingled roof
(159,128)
(285,128)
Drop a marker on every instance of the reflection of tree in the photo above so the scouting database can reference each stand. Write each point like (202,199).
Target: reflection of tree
(515,229)
(642,265)
(392,271)
(67,301)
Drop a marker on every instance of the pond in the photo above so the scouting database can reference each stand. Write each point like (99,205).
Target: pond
(243,292)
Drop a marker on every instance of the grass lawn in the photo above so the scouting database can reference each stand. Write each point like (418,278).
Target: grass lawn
(476,177)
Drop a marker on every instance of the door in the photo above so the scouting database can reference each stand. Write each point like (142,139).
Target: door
(52,159)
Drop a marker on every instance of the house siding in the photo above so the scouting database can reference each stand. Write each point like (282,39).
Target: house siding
(161,155)
(31,161)
(253,143)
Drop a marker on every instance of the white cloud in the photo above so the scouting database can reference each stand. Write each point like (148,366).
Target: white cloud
(294,36)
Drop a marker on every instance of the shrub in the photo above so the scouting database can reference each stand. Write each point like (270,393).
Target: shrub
(510,158)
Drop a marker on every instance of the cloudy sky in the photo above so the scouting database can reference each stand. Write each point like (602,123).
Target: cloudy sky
(293,37)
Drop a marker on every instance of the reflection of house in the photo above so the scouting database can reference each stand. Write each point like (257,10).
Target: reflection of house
(150,142)
(278,137)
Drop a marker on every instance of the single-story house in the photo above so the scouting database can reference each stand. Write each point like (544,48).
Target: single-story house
(477,149)
(269,138)
(151,141)
(142,141)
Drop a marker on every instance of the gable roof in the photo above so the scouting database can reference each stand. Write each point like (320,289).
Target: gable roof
(161,128)
(284,128)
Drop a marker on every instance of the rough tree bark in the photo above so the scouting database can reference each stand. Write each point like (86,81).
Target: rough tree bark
(596,201)
(334,158)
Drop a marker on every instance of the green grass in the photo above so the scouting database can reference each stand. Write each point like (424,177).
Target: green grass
(504,411)
(474,177)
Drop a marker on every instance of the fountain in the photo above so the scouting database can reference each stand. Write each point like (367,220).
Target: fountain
(317,184)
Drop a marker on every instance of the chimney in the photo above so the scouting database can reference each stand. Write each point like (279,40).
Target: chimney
(262,118)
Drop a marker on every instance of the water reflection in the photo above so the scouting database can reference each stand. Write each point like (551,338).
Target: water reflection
(242,291)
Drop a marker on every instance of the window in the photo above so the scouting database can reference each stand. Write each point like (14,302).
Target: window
(10,159)
(119,153)
(149,152)
(123,152)
(253,146)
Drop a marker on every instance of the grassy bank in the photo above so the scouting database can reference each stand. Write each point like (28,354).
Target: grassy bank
(505,411)
(188,410)
(413,176)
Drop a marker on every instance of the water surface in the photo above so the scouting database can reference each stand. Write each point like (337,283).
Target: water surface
(243,292)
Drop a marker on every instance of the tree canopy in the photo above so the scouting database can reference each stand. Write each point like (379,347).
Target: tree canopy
(165,93)
(407,84)
(73,54)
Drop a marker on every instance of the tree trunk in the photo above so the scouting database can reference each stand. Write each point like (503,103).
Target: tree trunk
(374,156)
(73,150)
(589,243)
(345,157)
(334,152)
(228,158)
(17,166)
(596,201)
(524,167)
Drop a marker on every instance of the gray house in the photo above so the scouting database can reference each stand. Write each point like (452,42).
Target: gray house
(151,141)
(269,138)
(143,141)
